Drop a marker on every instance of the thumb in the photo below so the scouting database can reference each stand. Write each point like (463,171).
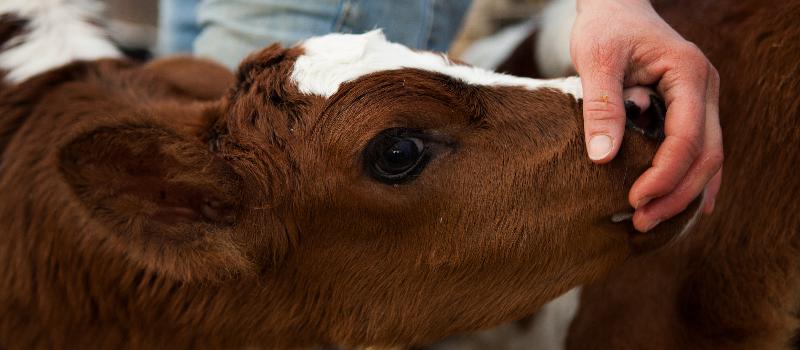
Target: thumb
(603,107)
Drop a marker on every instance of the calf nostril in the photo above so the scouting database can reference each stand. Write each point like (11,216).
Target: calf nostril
(649,122)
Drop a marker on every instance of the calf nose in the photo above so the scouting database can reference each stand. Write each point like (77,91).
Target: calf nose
(645,112)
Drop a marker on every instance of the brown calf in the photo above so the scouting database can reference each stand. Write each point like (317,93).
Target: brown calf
(331,196)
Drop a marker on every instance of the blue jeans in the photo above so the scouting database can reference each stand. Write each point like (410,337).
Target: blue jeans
(177,22)
(231,29)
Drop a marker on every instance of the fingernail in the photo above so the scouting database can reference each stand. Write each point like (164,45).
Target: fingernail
(642,202)
(599,147)
(652,225)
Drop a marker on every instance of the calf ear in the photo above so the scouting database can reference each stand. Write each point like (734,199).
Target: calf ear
(162,198)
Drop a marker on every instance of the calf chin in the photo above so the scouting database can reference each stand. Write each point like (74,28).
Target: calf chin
(667,231)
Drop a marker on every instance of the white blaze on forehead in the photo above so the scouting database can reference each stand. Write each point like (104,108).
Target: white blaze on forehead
(333,59)
(57,33)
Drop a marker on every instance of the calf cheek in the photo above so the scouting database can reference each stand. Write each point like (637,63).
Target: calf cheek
(560,205)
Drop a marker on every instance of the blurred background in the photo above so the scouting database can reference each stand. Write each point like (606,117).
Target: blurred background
(134,24)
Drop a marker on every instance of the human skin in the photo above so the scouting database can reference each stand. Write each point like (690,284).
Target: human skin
(622,43)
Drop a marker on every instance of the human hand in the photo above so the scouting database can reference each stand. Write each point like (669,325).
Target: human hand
(618,43)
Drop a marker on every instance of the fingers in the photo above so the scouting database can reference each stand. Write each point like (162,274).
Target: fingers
(658,210)
(616,46)
(602,74)
(684,128)
(687,161)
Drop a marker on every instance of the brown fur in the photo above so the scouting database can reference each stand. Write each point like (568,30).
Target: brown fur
(734,282)
(141,209)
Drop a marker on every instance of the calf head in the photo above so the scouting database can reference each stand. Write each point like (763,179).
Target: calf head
(348,191)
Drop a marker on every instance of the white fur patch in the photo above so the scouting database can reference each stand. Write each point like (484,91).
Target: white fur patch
(57,33)
(333,59)
(552,44)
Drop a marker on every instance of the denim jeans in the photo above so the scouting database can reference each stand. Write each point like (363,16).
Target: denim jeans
(177,22)
(231,29)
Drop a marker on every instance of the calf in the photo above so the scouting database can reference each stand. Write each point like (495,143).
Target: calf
(344,191)
(735,282)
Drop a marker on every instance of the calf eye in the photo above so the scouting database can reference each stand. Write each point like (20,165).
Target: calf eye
(395,155)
